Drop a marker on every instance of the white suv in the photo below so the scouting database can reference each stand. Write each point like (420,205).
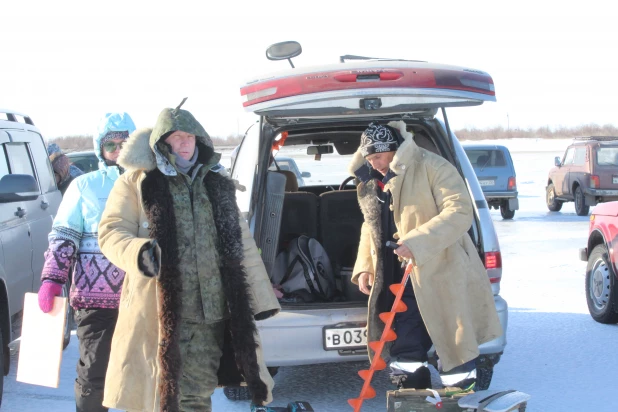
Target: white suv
(322,111)
(29,200)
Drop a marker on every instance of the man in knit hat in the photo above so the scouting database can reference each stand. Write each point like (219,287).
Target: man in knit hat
(419,201)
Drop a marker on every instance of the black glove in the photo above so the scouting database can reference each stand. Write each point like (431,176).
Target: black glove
(149,259)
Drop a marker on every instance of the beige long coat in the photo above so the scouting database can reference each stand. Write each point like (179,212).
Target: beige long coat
(134,371)
(433,212)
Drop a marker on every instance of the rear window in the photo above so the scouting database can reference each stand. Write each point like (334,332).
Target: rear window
(486,157)
(607,156)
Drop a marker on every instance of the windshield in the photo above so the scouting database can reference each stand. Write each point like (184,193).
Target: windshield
(607,156)
(330,170)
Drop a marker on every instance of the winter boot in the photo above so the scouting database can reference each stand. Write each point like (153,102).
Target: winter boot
(410,375)
(463,376)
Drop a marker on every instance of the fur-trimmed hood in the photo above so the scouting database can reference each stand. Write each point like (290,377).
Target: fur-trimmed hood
(406,152)
(137,153)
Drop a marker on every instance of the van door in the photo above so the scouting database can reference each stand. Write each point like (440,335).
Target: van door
(244,169)
(561,178)
(578,171)
(41,212)
(14,229)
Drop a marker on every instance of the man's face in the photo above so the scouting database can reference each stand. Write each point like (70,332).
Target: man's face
(111,149)
(182,143)
(380,161)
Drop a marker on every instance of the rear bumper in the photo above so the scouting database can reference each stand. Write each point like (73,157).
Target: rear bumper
(295,337)
(500,195)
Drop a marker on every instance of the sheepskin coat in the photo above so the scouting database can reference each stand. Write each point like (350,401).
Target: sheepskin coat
(433,212)
(145,365)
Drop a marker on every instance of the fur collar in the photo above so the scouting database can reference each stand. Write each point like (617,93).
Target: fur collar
(136,153)
(404,155)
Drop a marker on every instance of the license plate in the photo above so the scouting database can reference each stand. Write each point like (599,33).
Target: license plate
(345,338)
(487,182)
(615,179)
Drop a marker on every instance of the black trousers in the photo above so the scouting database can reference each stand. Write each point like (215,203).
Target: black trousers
(412,341)
(95,328)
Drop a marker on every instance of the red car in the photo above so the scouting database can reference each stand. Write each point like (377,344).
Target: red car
(601,255)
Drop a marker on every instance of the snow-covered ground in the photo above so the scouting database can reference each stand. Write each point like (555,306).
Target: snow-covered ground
(555,351)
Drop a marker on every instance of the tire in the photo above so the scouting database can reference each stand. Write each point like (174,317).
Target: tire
(550,198)
(237,393)
(68,326)
(505,211)
(601,286)
(1,366)
(484,373)
(580,202)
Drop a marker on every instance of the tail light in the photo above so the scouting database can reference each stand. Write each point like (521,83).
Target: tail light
(493,264)
(512,183)
(595,182)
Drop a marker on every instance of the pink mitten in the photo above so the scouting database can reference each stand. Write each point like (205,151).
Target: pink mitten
(49,290)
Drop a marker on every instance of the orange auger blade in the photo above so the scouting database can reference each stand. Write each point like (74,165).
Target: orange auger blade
(388,335)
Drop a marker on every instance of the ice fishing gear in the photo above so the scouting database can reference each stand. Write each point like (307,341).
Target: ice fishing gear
(297,406)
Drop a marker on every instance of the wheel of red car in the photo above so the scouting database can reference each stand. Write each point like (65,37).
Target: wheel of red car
(580,202)
(553,204)
(600,286)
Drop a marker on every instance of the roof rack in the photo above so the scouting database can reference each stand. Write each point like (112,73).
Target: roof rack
(598,138)
(13,116)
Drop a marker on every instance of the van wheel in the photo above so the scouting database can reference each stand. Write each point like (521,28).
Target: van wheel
(580,202)
(1,366)
(600,286)
(505,211)
(553,204)
(237,393)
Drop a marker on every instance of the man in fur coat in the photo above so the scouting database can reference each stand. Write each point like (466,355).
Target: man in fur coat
(195,282)
(418,199)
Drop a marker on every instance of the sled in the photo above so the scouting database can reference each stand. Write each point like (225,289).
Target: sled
(495,401)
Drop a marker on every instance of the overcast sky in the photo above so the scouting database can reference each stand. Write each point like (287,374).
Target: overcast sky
(66,63)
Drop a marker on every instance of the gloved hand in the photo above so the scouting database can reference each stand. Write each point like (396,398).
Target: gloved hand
(149,259)
(48,291)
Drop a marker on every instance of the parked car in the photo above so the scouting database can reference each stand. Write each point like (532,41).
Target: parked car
(29,200)
(587,174)
(327,108)
(601,254)
(495,171)
(86,161)
(287,163)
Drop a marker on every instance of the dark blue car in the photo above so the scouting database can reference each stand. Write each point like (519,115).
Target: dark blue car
(495,171)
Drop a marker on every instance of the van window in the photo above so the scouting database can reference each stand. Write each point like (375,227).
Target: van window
(4,165)
(607,156)
(19,159)
(568,158)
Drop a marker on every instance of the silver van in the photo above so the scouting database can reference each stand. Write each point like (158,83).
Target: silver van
(316,115)
(29,200)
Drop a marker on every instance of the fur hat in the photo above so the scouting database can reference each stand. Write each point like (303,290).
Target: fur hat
(378,139)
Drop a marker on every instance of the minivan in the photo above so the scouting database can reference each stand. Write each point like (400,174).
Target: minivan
(323,111)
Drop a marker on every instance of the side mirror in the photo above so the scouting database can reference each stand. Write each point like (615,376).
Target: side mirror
(284,50)
(17,188)
(557,161)
(305,174)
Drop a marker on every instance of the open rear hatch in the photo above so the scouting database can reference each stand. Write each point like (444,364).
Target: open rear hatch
(365,89)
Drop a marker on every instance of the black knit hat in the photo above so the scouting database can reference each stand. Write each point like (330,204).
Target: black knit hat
(378,139)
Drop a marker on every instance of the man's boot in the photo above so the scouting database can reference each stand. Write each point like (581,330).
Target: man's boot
(410,375)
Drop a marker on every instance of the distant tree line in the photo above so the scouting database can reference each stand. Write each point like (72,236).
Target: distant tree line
(79,143)
(82,143)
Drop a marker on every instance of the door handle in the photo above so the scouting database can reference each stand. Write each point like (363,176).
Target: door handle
(44,204)
(20,212)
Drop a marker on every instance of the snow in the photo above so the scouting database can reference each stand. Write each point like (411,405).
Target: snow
(556,352)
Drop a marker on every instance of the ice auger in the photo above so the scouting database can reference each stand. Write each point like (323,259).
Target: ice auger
(388,335)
